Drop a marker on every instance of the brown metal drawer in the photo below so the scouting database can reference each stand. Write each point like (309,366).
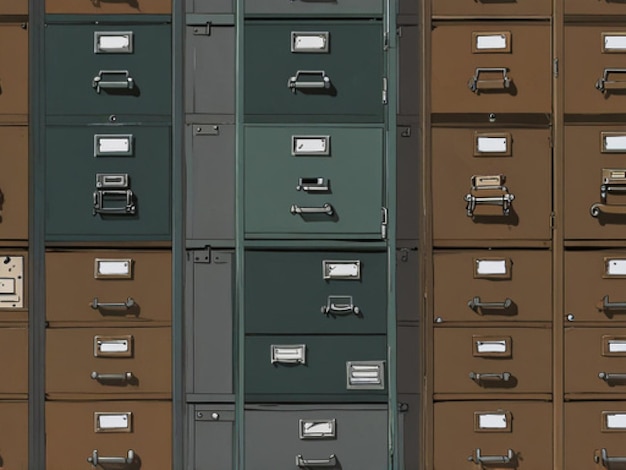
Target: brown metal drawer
(595,432)
(495,285)
(108,360)
(14,369)
(491,68)
(491,184)
(14,7)
(109,286)
(105,7)
(595,286)
(14,64)
(598,7)
(14,182)
(595,360)
(594,68)
(138,431)
(14,435)
(595,182)
(492,360)
(510,8)
(500,435)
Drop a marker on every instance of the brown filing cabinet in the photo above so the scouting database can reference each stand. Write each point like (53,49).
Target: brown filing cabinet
(105,7)
(14,7)
(599,7)
(490,8)
(14,434)
(14,368)
(13,181)
(14,75)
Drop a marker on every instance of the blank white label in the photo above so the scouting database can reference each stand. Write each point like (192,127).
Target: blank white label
(113,43)
(113,346)
(615,143)
(497,266)
(617,346)
(113,421)
(289,354)
(616,267)
(113,145)
(491,346)
(7,286)
(310,429)
(492,41)
(615,43)
(492,144)
(310,145)
(341,270)
(492,421)
(365,374)
(113,267)
(616,421)
(310,42)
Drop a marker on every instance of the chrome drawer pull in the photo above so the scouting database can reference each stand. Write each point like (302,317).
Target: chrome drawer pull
(124,80)
(296,83)
(123,377)
(606,305)
(312,184)
(606,460)
(505,201)
(499,377)
(604,84)
(491,459)
(475,304)
(96,460)
(325,209)
(305,463)
(96,304)
(333,307)
(475,84)
(610,377)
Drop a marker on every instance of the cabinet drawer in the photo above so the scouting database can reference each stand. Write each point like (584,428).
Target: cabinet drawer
(14,65)
(14,182)
(13,345)
(492,8)
(600,7)
(106,7)
(304,7)
(14,434)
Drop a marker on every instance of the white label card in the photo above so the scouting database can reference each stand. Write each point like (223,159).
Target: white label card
(616,421)
(342,270)
(113,145)
(318,427)
(615,43)
(308,145)
(365,374)
(309,42)
(295,354)
(492,144)
(112,43)
(491,266)
(617,345)
(7,285)
(492,41)
(615,143)
(113,346)
(492,421)
(113,267)
(113,421)
(616,267)
(491,346)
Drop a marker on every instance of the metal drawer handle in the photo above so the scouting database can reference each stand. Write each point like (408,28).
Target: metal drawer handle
(128,206)
(505,201)
(500,377)
(325,209)
(124,80)
(475,304)
(333,307)
(96,460)
(305,463)
(475,84)
(295,82)
(606,305)
(123,377)
(609,377)
(312,184)
(491,459)
(96,304)
(606,460)
(604,84)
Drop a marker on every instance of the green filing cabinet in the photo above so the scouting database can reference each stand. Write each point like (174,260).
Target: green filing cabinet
(314,182)
(351,8)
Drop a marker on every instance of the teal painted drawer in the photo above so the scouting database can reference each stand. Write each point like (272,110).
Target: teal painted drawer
(320,71)
(108,183)
(315,368)
(303,182)
(311,292)
(108,68)
(307,7)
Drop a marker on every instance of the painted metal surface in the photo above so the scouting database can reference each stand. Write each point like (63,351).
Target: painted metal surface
(14,59)
(107,7)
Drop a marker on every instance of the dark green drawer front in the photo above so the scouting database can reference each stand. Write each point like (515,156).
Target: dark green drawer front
(140,84)
(315,292)
(353,67)
(323,375)
(304,7)
(350,207)
(71,192)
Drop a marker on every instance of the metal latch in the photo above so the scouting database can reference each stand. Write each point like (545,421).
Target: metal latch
(385,222)
(489,190)
(613,182)
(113,188)
(202,30)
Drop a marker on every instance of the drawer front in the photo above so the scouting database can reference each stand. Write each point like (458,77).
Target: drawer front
(313,292)
(595,69)
(328,71)
(106,7)
(305,368)
(210,6)
(14,7)
(601,7)
(595,360)
(212,431)
(210,89)
(594,431)
(108,286)
(314,189)
(595,178)
(14,182)
(491,68)
(14,435)
(14,345)
(130,73)
(108,360)
(289,437)
(595,286)
(408,191)
(407,284)
(304,7)
(491,184)
(137,431)
(14,64)
(498,285)
(468,433)
(492,360)
(492,8)
(122,193)
(211,182)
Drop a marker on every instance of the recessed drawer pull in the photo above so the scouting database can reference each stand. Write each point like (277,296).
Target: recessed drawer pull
(312,184)
(491,459)
(297,83)
(96,304)
(612,377)
(494,377)
(505,201)
(606,305)
(301,462)
(123,377)
(106,80)
(475,84)
(604,84)
(606,460)
(95,460)
(334,307)
(325,209)
(476,305)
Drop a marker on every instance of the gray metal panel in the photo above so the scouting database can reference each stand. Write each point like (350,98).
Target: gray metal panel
(409,431)
(408,188)
(210,6)
(210,69)
(408,359)
(209,322)
(211,182)
(211,437)
(409,73)
(272,437)
(407,284)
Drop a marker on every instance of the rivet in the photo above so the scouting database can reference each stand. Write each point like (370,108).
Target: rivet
(215,415)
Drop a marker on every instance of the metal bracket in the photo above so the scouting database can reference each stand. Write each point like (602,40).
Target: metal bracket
(202,30)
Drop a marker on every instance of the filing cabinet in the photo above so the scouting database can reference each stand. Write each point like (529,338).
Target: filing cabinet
(500,434)
(489,8)
(601,7)
(119,186)
(491,183)
(314,182)
(299,436)
(304,7)
(210,6)
(105,7)
(496,67)
(97,286)
(321,71)
(317,368)
(408,190)
(497,285)
(14,369)
(212,436)
(14,182)
(15,7)
(14,60)
(14,434)
(131,434)
(315,292)
(109,69)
